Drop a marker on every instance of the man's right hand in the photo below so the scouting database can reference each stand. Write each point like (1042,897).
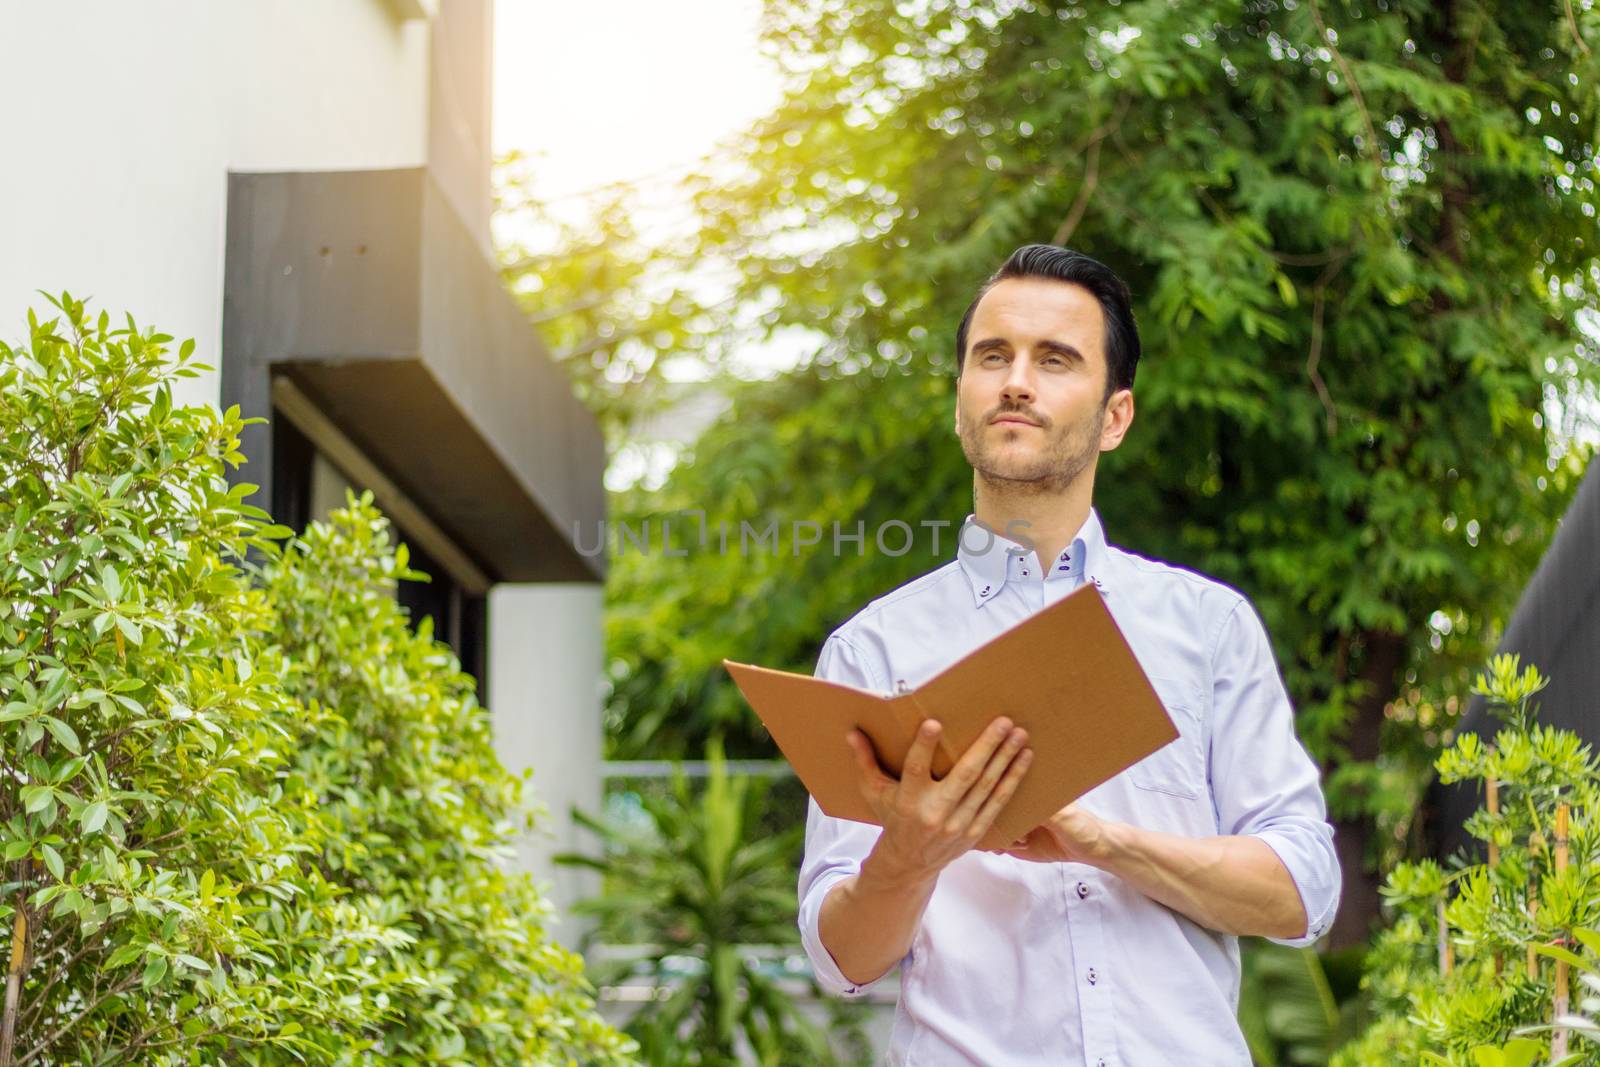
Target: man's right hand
(929,823)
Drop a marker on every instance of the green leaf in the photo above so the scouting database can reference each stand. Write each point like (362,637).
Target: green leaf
(112,581)
(67,770)
(93,816)
(124,956)
(130,630)
(35,797)
(52,861)
(1556,952)
(1521,1052)
(55,690)
(64,734)
(155,969)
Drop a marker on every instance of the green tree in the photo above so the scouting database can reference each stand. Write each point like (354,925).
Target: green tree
(217,794)
(1360,235)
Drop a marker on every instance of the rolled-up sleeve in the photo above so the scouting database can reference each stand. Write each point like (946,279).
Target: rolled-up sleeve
(834,847)
(1264,783)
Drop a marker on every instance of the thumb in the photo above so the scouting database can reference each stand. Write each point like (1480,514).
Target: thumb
(871,775)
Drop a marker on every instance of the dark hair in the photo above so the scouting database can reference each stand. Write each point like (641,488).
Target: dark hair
(1066,265)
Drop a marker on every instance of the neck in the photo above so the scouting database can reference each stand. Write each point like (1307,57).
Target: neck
(1052,517)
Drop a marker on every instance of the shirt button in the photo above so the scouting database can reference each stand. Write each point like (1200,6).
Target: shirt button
(1083,890)
(1101,1062)
(1093,978)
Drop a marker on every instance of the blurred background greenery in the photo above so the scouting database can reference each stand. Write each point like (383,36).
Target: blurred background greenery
(1362,241)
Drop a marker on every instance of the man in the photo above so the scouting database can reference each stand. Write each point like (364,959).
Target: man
(1109,936)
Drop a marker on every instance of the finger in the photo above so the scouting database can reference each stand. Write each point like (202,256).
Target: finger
(1002,793)
(998,763)
(1029,855)
(1028,848)
(919,761)
(972,762)
(870,776)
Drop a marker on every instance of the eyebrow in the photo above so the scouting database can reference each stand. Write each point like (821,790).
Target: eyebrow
(1058,347)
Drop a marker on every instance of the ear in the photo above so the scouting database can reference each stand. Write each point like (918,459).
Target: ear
(1119,416)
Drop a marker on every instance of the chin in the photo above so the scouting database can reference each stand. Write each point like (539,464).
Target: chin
(1013,473)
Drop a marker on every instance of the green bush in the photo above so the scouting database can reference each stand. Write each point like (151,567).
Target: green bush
(219,794)
(415,813)
(1451,981)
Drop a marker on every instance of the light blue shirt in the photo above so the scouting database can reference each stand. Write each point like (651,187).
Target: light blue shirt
(1018,963)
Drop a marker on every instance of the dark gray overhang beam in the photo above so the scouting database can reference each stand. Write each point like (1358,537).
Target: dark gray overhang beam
(367,299)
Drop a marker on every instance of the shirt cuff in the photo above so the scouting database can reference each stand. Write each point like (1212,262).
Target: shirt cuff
(1307,863)
(823,966)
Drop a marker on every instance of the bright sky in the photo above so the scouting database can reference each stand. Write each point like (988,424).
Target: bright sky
(626,88)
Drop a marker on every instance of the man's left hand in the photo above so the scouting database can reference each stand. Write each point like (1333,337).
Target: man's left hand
(1231,884)
(1071,835)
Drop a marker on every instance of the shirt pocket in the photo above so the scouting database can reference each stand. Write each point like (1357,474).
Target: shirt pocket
(1179,767)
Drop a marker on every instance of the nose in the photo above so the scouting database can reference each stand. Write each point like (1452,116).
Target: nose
(1018,386)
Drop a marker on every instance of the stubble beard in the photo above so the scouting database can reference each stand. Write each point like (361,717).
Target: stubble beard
(1068,453)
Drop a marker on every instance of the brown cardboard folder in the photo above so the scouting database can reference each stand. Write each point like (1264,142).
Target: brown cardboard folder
(1065,674)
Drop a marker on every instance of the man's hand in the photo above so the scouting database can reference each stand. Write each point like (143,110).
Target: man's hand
(926,823)
(1071,835)
(1228,883)
(868,920)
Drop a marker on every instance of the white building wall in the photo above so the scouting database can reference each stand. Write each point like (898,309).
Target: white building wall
(122,121)
(546,662)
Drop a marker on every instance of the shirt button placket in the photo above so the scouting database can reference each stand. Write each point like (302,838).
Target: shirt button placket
(1094,1012)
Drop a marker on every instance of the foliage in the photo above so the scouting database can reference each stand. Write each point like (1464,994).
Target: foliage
(1489,993)
(154,863)
(590,286)
(1360,237)
(1297,1005)
(201,866)
(697,885)
(415,814)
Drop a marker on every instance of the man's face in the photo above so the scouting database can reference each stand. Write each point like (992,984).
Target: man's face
(1030,402)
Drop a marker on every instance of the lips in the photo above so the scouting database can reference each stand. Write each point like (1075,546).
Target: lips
(1015,420)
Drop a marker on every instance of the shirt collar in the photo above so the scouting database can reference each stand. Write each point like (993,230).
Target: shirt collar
(990,559)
